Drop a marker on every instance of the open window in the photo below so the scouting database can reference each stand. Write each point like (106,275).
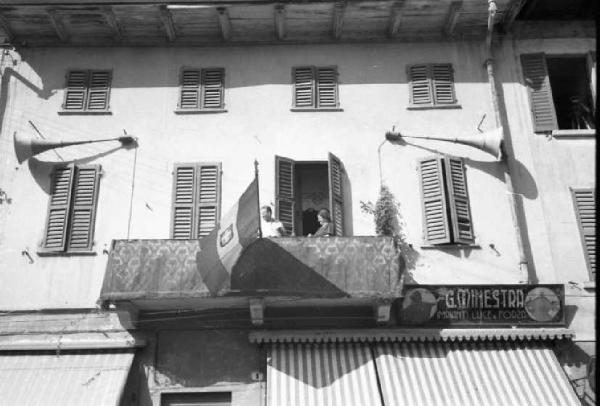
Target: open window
(562,91)
(302,188)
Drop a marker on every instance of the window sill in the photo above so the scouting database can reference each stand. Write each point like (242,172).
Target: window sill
(84,113)
(200,111)
(451,246)
(43,253)
(574,133)
(433,106)
(298,109)
(589,285)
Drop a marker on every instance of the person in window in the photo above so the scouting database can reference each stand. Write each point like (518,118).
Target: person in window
(326,228)
(269,226)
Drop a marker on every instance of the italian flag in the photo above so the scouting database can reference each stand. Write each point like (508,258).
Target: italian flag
(222,248)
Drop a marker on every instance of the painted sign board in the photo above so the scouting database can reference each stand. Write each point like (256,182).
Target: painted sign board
(482,305)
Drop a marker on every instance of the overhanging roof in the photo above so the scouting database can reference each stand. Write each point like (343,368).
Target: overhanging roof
(152,22)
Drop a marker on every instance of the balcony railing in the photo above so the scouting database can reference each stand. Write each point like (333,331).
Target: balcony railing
(154,271)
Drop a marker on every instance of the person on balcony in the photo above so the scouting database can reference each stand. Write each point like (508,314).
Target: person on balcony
(326,228)
(270,226)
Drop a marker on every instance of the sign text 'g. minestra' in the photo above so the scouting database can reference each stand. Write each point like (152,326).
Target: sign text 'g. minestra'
(468,305)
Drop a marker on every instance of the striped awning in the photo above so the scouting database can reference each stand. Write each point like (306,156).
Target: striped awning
(321,374)
(66,378)
(464,374)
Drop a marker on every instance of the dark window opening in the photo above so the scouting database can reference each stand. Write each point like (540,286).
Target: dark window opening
(313,194)
(559,10)
(196,399)
(571,92)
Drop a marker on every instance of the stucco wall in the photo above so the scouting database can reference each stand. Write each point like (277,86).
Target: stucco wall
(373,93)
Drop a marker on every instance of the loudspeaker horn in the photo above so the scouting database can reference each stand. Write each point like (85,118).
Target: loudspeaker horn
(491,142)
(25,148)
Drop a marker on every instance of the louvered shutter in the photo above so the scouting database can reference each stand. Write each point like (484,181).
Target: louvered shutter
(585,208)
(212,88)
(209,197)
(458,197)
(336,196)
(435,216)
(76,91)
(420,85)
(189,97)
(304,87)
(184,192)
(83,213)
(537,81)
(327,94)
(443,83)
(284,193)
(99,90)
(55,236)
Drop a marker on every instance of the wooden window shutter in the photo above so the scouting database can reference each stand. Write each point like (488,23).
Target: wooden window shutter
(76,91)
(585,209)
(212,88)
(284,193)
(443,83)
(537,81)
(83,213)
(327,87)
(435,214)
(99,90)
(304,87)
(458,197)
(420,85)
(182,218)
(336,196)
(209,197)
(55,236)
(189,97)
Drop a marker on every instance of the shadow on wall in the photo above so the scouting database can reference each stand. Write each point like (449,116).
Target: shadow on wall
(202,358)
(357,64)
(42,170)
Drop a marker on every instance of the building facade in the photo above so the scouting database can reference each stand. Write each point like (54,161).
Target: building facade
(101,277)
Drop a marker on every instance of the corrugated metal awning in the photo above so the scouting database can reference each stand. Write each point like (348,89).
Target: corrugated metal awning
(321,374)
(67,378)
(464,374)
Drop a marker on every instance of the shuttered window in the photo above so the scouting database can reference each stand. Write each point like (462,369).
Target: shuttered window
(315,87)
(431,85)
(87,90)
(202,89)
(72,209)
(585,210)
(288,205)
(196,199)
(445,201)
(562,91)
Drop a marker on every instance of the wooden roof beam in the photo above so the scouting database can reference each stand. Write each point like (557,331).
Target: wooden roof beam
(111,20)
(167,21)
(57,22)
(5,26)
(514,8)
(225,23)
(452,17)
(395,18)
(339,8)
(280,21)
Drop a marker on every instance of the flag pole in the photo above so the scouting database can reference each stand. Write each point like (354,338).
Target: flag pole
(257,197)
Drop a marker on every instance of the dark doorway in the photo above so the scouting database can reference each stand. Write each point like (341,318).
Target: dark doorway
(312,186)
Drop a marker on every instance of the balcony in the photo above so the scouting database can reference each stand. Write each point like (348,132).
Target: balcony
(163,274)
